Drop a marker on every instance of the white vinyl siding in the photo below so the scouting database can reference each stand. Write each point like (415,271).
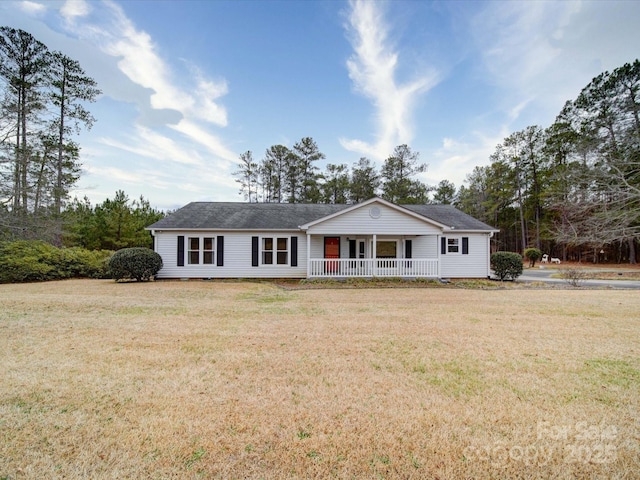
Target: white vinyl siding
(360,222)
(237,256)
(425,247)
(273,251)
(475,264)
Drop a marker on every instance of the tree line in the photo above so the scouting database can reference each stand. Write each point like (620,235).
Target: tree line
(110,225)
(289,175)
(42,107)
(571,189)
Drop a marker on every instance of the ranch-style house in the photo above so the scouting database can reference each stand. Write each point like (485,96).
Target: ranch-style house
(375,238)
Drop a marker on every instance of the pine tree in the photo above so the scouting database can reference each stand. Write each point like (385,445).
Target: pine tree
(398,186)
(365,181)
(248,175)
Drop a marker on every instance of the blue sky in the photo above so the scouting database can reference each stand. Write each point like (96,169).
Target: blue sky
(190,85)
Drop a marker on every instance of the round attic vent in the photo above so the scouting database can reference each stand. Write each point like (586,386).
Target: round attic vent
(374,212)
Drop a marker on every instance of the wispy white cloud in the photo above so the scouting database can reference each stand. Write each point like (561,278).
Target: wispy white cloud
(518,46)
(141,61)
(541,54)
(535,56)
(32,8)
(206,139)
(373,68)
(148,143)
(455,159)
(128,176)
(208,91)
(74,8)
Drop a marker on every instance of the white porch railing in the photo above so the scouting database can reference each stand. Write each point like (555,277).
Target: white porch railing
(372,267)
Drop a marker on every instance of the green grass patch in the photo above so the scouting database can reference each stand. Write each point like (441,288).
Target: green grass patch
(456,378)
(195,457)
(606,371)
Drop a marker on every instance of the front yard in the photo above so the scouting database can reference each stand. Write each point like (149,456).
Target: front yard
(204,379)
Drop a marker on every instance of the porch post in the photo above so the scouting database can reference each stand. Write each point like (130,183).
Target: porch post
(374,255)
(308,255)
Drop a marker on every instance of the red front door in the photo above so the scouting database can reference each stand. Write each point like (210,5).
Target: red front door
(332,250)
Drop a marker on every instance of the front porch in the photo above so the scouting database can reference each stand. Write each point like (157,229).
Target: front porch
(372,267)
(369,256)
(374,240)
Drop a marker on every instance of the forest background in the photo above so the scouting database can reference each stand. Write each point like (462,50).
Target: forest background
(570,189)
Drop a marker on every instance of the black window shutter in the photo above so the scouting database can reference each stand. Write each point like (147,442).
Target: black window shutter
(181,250)
(408,248)
(443,245)
(465,245)
(220,252)
(294,251)
(254,251)
(352,249)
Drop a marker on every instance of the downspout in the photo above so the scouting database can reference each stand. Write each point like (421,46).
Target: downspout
(153,239)
(308,253)
(489,237)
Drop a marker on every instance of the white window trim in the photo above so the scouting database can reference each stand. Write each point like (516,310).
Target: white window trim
(201,250)
(274,251)
(399,246)
(458,244)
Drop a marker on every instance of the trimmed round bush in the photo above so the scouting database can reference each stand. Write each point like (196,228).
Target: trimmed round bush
(506,265)
(137,262)
(533,254)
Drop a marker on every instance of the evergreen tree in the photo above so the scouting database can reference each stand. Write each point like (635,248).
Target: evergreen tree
(70,86)
(445,193)
(248,174)
(305,188)
(489,198)
(272,173)
(42,106)
(24,63)
(111,225)
(398,186)
(365,181)
(602,132)
(336,184)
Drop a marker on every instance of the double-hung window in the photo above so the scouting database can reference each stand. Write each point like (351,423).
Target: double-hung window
(453,245)
(201,250)
(275,250)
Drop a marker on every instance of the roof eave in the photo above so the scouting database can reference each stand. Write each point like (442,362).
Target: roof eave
(471,230)
(219,229)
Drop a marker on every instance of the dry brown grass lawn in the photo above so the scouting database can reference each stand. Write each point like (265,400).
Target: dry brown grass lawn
(247,380)
(607,271)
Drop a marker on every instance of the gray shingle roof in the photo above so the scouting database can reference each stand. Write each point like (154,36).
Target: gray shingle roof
(245,216)
(450,216)
(289,216)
